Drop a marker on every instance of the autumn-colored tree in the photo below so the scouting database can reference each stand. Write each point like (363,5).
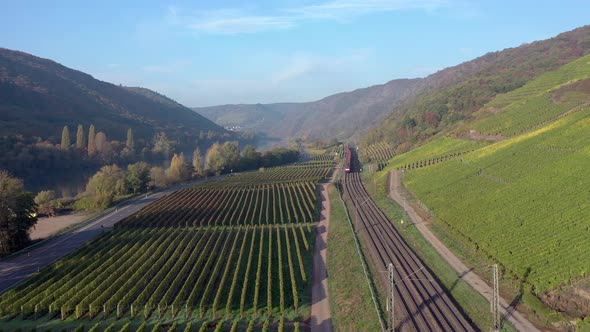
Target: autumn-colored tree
(158,177)
(104,185)
(179,170)
(65,138)
(103,147)
(198,162)
(80,143)
(91,143)
(214,160)
(129,149)
(162,145)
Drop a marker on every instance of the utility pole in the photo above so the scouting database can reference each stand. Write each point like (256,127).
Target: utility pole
(495,304)
(390,299)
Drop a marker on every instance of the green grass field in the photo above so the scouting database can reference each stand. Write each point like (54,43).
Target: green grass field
(350,298)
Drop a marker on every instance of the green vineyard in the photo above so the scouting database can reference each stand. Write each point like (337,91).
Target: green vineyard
(521,202)
(206,273)
(539,101)
(376,152)
(230,250)
(273,203)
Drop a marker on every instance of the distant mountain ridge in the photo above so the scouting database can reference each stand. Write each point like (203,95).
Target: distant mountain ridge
(342,115)
(40,96)
(406,111)
(453,94)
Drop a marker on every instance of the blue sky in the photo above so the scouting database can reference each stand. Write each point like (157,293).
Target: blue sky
(203,53)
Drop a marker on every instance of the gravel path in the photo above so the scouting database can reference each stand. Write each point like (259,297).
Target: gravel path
(467,274)
(321,319)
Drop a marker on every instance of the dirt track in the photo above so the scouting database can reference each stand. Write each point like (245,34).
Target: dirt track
(321,319)
(467,274)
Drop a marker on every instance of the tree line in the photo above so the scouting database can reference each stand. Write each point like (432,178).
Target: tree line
(19,208)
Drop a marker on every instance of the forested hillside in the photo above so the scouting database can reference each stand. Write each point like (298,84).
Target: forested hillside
(452,95)
(344,115)
(40,96)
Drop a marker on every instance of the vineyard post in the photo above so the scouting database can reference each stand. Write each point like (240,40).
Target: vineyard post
(131,309)
(495,299)
(36,309)
(391,301)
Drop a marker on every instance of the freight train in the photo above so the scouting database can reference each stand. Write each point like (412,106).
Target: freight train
(348,163)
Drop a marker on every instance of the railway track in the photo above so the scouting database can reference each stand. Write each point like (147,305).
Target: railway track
(421,304)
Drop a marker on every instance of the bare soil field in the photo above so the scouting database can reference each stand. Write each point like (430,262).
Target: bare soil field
(48,226)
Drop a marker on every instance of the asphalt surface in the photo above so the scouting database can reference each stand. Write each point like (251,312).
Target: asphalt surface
(14,269)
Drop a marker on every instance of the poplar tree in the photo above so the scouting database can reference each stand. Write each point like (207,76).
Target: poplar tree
(198,162)
(130,143)
(65,138)
(80,143)
(91,144)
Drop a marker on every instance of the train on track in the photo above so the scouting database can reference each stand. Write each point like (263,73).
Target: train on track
(348,162)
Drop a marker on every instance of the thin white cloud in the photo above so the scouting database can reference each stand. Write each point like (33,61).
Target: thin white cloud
(342,9)
(233,21)
(303,64)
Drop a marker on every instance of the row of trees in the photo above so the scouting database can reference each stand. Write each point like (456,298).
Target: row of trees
(98,146)
(112,181)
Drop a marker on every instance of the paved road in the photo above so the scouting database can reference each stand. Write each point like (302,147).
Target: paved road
(321,320)
(467,274)
(16,268)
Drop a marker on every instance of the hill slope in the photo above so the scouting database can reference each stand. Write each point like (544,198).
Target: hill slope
(521,202)
(454,94)
(341,115)
(40,96)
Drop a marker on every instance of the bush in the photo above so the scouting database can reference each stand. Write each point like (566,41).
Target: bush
(46,201)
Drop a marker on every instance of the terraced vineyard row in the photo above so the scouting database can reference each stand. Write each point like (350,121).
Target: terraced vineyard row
(310,171)
(274,203)
(518,202)
(376,152)
(567,73)
(220,272)
(539,101)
